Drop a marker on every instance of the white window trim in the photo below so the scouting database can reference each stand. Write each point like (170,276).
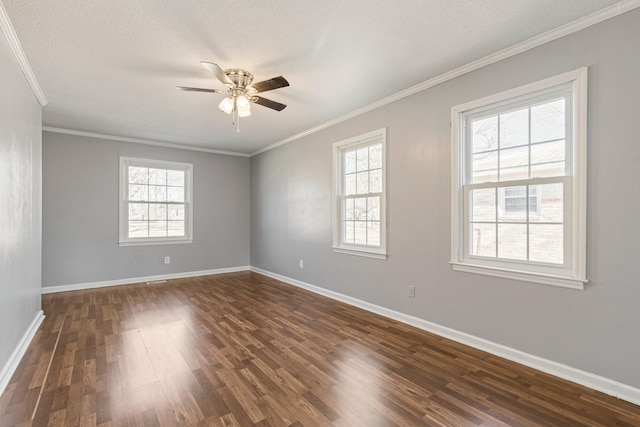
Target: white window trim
(123,239)
(574,276)
(338,147)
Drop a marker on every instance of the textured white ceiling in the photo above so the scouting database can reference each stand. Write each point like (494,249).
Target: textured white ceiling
(111,67)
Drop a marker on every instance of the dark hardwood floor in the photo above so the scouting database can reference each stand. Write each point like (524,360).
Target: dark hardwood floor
(243,349)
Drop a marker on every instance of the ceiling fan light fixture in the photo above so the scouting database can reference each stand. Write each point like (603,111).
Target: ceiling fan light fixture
(243,103)
(226,105)
(244,113)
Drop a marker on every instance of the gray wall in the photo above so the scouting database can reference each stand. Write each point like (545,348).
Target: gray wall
(20,203)
(595,330)
(80,213)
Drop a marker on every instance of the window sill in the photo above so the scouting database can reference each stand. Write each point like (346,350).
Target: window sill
(156,242)
(544,279)
(362,253)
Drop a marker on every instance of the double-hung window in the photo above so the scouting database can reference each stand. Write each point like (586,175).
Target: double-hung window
(155,202)
(359,219)
(519,183)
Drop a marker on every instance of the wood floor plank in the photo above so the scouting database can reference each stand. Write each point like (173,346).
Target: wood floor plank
(241,349)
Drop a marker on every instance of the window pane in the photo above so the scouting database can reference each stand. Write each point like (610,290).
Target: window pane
(175,212)
(158,176)
(550,203)
(483,240)
(157,212)
(545,243)
(175,228)
(138,229)
(347,205)
(138,192)
(485,167)
(547,159)
(360,237)
(514,163)
(514,128)
(483,205)
(138,211)
(350,184)
(157,193)
(513,204)
(348,232)
(373,208)
(375,156)
(362,182)
(138,175)
(175,178)
(512,241)
(157,228)
(548,121)
(533,199)
(373,233)
(349,162)
(362,159)
(484,134)
(375,181)
(175,194)
(360,211)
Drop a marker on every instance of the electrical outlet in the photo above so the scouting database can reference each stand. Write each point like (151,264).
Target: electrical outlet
(412,291)
(167,260)
(301,264)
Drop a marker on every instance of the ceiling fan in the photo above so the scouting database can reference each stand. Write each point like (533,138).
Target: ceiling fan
(241,91)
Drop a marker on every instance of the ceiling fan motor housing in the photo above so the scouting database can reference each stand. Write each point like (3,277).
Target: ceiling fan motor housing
(241,79)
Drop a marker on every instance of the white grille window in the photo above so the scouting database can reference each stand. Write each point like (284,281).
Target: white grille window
(155,202)
(519,175)
(359,208)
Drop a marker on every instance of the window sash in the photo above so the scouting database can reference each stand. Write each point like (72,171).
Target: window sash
(343,220)
(567,235)
(543,96)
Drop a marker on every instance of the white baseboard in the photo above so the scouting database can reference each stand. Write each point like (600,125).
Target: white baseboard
(129,281)
(587,379)
(14,360)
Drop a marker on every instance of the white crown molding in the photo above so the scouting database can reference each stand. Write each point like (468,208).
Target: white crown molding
(141,141)
(18,353)
(556,33)
(21,58)
(133,280)
(593,381)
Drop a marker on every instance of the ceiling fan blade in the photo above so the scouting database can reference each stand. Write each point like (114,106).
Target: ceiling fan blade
(218,72)
(197,89)
(268,103)
(271,84)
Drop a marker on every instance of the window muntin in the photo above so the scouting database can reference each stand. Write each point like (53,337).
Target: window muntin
(519,183)
(155,202)
(359,213)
